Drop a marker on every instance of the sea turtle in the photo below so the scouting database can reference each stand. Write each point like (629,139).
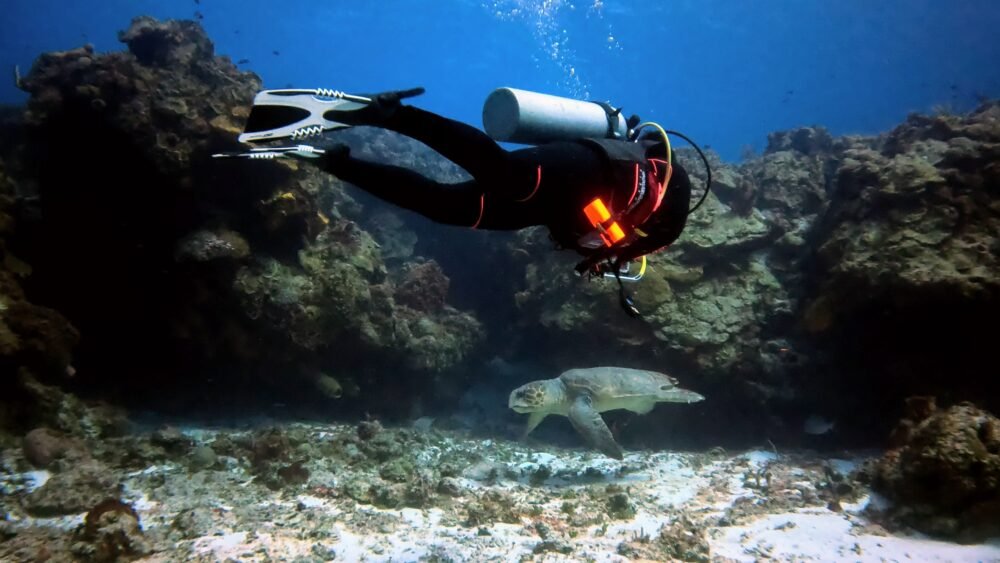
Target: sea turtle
(582,394)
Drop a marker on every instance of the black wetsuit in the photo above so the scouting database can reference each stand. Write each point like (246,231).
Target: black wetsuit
(547,185)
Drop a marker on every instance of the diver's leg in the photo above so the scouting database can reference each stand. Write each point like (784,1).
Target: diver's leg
(468,147)
(463,144)
(450,204)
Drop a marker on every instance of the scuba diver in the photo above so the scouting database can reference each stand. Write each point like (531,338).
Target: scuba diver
(600,187)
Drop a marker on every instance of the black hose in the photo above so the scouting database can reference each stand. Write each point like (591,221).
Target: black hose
(708,169)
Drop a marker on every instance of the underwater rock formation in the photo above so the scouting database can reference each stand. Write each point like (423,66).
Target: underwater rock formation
(341,292)
(812,270)
(173,264)
(919,215)
(107,223)
(34,340)
(705,298)
(944,475)
(874,260)
(906,276)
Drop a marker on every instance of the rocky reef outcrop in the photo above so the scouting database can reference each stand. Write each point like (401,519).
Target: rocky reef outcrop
(823,266)
(176,268)
(907,270)
(826,266)
(943,475)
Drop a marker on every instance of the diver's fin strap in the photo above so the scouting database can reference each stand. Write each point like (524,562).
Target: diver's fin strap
(270,153)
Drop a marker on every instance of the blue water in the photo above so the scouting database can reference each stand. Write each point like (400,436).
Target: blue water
(725,72)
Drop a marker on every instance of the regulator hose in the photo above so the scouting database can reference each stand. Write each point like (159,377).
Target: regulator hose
(708,170)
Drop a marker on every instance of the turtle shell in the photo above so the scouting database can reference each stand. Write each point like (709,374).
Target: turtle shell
(610,383)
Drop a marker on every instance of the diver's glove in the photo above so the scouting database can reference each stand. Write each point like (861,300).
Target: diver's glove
(381,108)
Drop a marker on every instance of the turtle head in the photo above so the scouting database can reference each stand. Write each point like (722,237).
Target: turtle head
(669,392)
(530,397)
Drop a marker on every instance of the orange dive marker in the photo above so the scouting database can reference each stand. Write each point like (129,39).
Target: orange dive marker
(597,213)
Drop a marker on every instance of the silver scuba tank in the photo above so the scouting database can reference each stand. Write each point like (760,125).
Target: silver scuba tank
(520,116)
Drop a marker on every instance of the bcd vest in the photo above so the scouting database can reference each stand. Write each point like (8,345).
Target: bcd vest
(618,222)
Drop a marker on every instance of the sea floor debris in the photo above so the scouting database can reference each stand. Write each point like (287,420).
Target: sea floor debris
(333,492)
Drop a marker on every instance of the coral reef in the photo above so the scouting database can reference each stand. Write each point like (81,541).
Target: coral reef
(115,252)
(35,341)
(920,213)
(826,264)
(340,296)
(424,288)
(828,275)
(906,275)
(944,475)
(872,260)
(173,263)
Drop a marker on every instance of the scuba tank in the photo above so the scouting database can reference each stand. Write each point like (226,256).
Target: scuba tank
(520,116)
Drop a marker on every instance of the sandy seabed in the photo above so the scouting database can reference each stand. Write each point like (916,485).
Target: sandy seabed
(518,503)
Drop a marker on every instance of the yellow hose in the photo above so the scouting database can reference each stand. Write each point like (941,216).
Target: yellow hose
(666,139)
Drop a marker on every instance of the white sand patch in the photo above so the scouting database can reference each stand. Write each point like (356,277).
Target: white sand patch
(828,537)
(760,458)
(259,546)
(36,479)
(309,501)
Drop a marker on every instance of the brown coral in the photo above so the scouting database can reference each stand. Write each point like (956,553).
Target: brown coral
(945,477)
(424,287)
(111,532)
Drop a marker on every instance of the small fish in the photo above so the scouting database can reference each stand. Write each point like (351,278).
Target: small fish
(199,15)
(17,78)
(817,425)
(242,61)
(197,2)
(276,53)
(423,424)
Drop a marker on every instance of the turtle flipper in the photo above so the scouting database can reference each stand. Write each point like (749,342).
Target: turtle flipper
(533,421)
(591,426)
